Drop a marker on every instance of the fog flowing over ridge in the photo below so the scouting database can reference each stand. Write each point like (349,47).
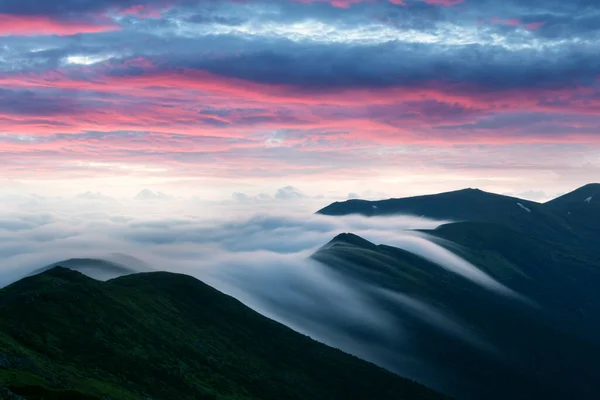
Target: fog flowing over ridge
(261,259)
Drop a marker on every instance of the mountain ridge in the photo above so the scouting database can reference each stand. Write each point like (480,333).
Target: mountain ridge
(164,336)
(582,194)
(559,220)
(440,309)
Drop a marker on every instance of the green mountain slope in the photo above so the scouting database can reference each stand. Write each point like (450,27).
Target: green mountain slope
(166,336)
(472,341)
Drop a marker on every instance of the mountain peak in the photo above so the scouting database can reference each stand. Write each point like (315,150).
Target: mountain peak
(61,272)
(589,193)
(58,271)
(463,204)
(39,279)
(351,239)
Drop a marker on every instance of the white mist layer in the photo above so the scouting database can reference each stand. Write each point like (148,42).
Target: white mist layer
(424,246)
(262,260)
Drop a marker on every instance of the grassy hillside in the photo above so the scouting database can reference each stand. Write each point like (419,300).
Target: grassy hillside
(166,336)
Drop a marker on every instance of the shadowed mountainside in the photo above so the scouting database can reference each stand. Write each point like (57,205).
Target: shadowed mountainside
(469,340)
(570,219)
(532,318)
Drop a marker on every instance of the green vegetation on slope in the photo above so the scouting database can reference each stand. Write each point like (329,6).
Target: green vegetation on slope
(166,336)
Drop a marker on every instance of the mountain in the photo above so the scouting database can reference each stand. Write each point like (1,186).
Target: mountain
(97,268)
(506,291)
(465,204)
(581,210)
(588,194)
(568,219)
(160,335)
(526,327)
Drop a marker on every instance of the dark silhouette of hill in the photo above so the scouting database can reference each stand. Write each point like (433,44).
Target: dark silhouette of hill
(474,342)
(581,210)
(96,268)
(588,194)
(569,219)
(536,324)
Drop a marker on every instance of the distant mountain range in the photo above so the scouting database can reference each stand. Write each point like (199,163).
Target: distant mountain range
(570,219)
(466,204)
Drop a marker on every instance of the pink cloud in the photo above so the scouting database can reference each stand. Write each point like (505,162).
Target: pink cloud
(447,3)
(535,25)
(172,102)
(32,25)
(398,2)
(142,11)
(518,23)
(348,3)
(335,3)
(172,82)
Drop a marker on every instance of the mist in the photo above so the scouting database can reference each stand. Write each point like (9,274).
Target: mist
(261,258)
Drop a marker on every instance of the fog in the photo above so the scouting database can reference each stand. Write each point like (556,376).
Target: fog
(259,256)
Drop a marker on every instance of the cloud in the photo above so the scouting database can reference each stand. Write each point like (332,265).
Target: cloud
(518,23)
(241,197)
(33,25)
(261,259)
(66,7)
(535,195)
(94,196)
(368,195)
(289,193)
(314,91)
(150,195)
(285,193)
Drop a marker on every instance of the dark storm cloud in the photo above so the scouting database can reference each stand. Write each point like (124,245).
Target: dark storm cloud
(25,102)
(400,64)
(513,61)
(66,7)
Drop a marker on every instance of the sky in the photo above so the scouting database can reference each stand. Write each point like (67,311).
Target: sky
(256,100)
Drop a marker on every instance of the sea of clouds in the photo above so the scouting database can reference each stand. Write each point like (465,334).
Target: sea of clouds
(257,253)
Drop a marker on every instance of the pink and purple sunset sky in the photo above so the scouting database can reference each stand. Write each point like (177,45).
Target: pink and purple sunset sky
(316,99)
